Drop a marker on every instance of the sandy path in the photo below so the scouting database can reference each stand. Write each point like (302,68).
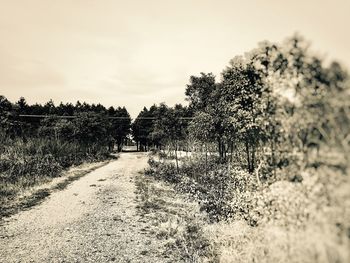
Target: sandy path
(93,220)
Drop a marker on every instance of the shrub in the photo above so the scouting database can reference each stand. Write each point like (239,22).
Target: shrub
(222,192)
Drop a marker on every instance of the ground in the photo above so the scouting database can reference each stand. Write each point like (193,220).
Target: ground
(104,216)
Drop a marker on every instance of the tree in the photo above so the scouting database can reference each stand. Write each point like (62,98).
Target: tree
(91,129)
(202,128)
(242,91)
(5,112)
(199,91)
(203,94)
(120,127)
(142,128)
(22,106)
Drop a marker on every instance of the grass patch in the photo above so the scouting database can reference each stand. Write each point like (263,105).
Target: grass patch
(175,220)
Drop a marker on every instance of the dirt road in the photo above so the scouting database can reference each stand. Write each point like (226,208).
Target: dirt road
(94,219)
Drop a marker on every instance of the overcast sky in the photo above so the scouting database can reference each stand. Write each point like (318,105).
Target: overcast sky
(136,53)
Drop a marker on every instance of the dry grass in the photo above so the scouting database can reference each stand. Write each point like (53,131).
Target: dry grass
(175,220)
(239,242)
(304,222)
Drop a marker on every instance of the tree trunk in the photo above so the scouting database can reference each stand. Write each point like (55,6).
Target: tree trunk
(257,173)
(220,149)
(231,152)
(177,162)
(253,158)
(273,157)
(224,151)
(248,155)
(206,159)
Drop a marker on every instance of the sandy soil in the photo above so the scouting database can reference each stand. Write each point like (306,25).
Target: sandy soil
(94,219)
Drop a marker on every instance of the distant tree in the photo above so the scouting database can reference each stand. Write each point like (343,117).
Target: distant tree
(120,128)
(65,109)
(5,105)
(5,115)
(49,108)
(142,128)
(91,128)
(199,91)
(22,106)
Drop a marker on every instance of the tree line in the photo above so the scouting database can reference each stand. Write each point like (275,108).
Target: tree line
(91,125)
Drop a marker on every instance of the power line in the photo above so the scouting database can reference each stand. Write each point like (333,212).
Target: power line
(45,116)
(73,117)
(60,116)
(155,118)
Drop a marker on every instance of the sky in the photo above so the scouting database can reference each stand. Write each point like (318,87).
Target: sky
(137,53)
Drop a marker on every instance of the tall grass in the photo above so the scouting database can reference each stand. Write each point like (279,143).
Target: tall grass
(282,220)
(24,163)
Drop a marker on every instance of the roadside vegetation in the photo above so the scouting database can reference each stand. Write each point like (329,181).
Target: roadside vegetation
(175,220)
(265,154)
(35,149)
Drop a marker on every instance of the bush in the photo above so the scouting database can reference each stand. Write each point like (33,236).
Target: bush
(221,192)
